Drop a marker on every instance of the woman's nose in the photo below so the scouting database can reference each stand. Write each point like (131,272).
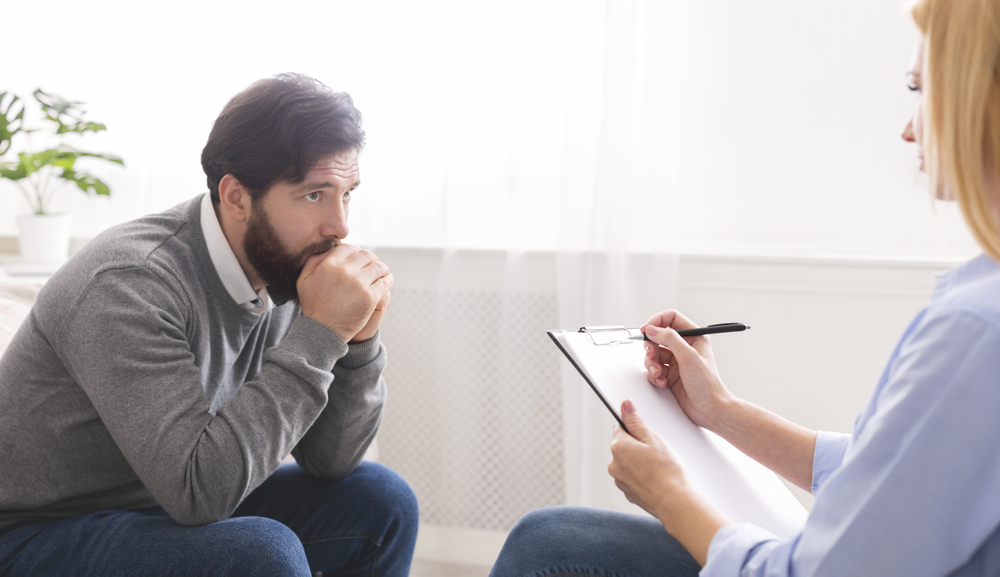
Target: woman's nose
(908,132)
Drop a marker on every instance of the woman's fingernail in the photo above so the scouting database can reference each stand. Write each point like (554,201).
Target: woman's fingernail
(628,407)
(652,330)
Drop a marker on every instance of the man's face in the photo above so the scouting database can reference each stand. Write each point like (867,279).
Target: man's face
(291,222)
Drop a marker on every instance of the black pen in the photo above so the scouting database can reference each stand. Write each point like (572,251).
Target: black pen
(709,330)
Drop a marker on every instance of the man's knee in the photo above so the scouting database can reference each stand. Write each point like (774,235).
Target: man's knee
(390,495)
(387,492)
(261,546)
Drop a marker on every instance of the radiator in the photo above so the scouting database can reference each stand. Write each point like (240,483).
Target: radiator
(473,419)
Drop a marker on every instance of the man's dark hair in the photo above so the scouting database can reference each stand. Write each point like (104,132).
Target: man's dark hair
(276,130)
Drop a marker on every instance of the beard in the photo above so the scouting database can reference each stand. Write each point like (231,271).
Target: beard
(276,266)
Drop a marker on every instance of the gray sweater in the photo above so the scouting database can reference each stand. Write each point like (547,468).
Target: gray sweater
(137,381)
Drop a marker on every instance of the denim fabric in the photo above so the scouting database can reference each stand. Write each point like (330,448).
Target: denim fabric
(576,541)
(293,524)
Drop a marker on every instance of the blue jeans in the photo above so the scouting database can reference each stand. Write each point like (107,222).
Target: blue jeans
(293,524)
(578,541)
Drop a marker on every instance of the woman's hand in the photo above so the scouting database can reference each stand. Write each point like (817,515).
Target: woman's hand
(643,467)
(686,366)
(646,471)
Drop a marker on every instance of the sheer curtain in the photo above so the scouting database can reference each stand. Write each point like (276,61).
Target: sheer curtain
(616,263)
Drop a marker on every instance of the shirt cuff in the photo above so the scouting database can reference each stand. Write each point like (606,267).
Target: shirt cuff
(732,546)
(828,456)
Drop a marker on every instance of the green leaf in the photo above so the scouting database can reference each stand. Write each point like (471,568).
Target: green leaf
(108,157)
(9,116)
(12,170)
(35,162)
(80,127)
(68,115)
(57,104)
(86,183)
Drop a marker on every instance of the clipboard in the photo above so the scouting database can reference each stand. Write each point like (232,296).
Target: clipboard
(741,488)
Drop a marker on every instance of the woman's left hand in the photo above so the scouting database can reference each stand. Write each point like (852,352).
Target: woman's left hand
(649,475)
(642,466)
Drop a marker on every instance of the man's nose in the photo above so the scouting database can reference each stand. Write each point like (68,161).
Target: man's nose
(336,223)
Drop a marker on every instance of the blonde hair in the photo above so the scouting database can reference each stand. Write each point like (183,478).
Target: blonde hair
(962,107)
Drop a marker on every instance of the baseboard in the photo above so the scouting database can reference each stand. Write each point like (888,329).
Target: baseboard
(461,545)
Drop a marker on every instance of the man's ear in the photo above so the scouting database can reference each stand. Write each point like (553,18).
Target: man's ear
(234,198)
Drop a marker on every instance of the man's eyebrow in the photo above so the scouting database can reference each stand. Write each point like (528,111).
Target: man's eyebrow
(317,184)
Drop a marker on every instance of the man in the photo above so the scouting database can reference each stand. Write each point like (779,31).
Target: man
(166,370)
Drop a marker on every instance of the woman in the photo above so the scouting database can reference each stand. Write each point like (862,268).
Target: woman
(915,490)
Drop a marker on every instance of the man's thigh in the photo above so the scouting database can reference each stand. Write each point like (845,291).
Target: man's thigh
(365,523)
(148,542)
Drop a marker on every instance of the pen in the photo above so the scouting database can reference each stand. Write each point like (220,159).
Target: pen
(709,330)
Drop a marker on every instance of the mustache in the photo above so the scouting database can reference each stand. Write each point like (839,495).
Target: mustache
(317,248)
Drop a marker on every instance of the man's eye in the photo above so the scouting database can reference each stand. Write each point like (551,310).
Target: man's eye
(312,196)
(347,196)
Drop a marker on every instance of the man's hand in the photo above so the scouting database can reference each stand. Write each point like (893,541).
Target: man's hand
(647,472)
(374,321)
(342,287)
(687,367)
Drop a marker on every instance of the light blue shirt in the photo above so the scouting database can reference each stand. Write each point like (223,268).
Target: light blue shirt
(915,490)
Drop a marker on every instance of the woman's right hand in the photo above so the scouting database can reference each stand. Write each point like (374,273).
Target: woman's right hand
(686,366)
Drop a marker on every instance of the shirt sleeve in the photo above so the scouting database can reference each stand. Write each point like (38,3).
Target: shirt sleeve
(916,493)
(828,456)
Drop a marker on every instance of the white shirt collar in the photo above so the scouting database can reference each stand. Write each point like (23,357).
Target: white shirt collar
(226,264)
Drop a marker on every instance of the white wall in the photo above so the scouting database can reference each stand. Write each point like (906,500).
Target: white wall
(786,114)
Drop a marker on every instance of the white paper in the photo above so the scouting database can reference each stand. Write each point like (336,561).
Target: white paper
(741,488)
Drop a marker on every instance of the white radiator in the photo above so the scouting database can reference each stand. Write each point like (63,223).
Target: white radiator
(473,419)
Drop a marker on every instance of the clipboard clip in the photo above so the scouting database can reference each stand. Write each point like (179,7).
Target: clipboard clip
(608,335)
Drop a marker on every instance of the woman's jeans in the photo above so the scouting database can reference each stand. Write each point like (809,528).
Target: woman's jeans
(580,542)
(293,524)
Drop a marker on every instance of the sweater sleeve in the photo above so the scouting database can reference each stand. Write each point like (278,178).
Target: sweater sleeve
(336,443)
(125,344)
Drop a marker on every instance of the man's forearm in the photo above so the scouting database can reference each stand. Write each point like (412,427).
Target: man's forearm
(337,440)
(775,442)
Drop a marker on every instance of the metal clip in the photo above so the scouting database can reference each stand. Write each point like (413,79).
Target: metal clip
(609,335)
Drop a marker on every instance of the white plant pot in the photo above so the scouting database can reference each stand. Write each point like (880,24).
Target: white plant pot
(44,237)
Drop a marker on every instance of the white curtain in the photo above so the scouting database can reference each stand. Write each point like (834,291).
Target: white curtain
(616,264)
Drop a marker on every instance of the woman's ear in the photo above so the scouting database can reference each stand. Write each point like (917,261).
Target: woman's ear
(234,198)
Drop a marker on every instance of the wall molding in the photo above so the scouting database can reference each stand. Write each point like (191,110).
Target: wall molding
(460,545)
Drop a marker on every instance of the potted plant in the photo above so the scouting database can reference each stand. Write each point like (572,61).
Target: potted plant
(39,175)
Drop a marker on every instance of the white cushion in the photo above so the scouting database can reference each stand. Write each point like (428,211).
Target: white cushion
(16,299)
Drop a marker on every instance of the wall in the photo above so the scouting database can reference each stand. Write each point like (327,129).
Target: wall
(785,115)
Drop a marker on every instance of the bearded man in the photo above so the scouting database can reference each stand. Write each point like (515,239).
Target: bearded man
(169,367)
